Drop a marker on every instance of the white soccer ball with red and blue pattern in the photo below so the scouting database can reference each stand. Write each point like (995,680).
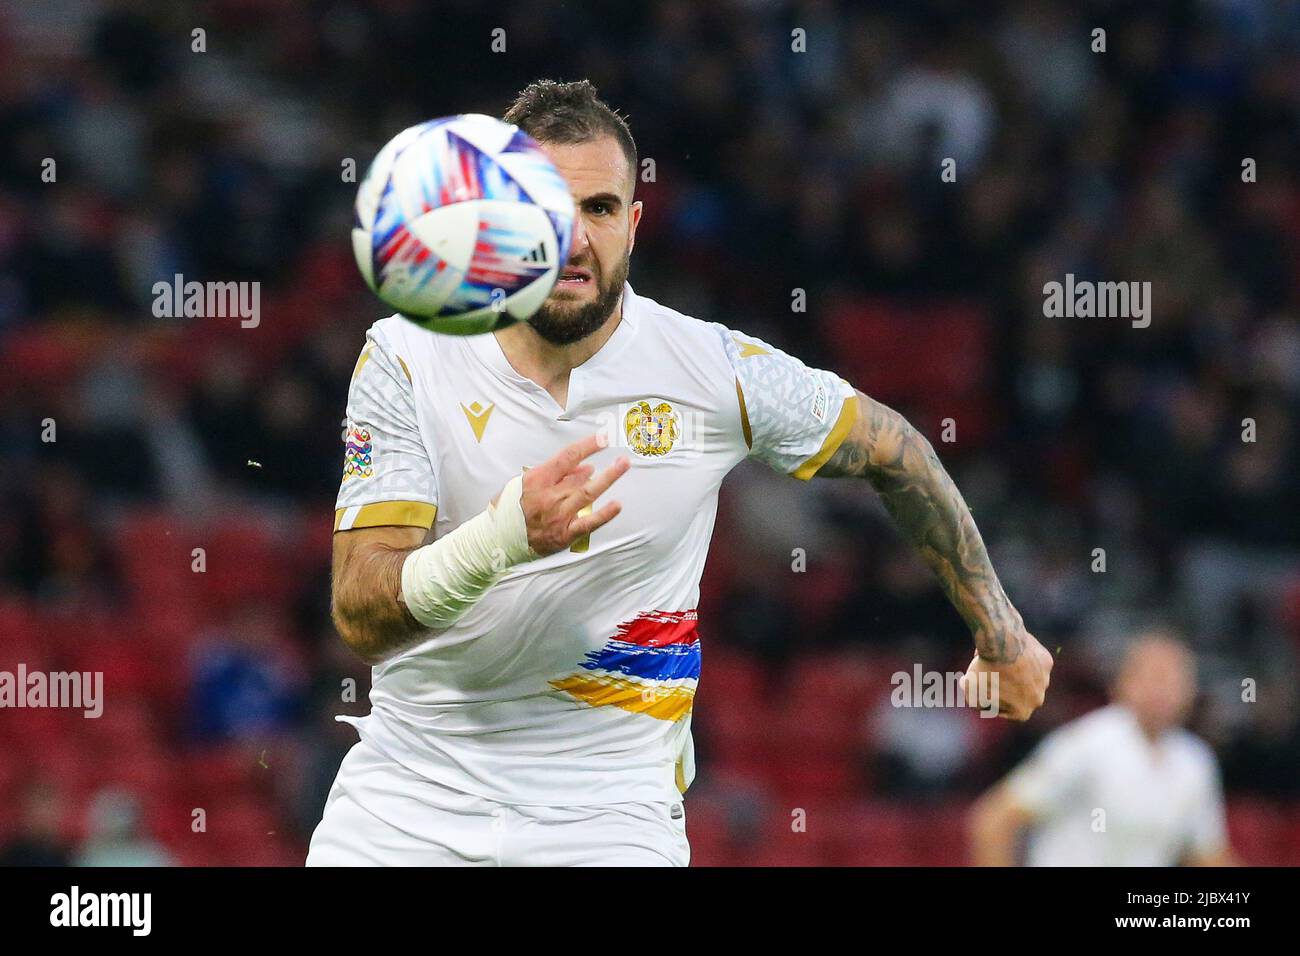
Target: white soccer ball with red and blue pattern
(462,224)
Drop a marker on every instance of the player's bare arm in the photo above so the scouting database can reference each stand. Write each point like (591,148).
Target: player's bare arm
(902,467)
(367,579)
(1222,857)
(996,822)
(372,614)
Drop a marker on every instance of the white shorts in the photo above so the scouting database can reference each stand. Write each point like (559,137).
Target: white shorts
(379,813)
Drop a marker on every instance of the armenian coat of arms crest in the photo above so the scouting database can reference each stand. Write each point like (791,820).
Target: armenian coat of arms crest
(651,431)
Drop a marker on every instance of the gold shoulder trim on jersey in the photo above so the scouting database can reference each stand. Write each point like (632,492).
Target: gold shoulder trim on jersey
(361,361)
(406,371)
(744,416)
(839,431)
(749,348)
(413,514)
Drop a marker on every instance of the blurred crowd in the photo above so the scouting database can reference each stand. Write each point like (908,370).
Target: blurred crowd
(171,480)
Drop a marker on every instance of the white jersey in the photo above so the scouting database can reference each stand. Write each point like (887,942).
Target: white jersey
(1103,794)
(571,681)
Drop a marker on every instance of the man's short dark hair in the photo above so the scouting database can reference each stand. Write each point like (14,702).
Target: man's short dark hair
(552,112)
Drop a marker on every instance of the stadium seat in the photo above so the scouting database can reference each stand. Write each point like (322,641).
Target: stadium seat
(706,828)
(1257,830)
(854,680)
(19,621)
(731,728)
(220,770)
(803,779)
(910,355)
(730,675)
(939,836)
(243,561)
(815,727)
(790,852)
(865,834)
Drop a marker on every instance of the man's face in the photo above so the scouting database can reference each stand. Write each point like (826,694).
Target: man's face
(1158,682)
(604,231)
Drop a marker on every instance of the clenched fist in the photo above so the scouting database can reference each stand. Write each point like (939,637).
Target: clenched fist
(1022,677)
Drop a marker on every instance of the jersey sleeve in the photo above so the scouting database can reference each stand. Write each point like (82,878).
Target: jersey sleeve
(388,478)
(1209,831)
(1054,774)
(793,417)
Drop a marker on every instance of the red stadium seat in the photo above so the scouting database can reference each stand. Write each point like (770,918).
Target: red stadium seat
(1289,845)
(731,728)
(154,551)
(731,676)
(23,649)
(783,837)
(728,713)
(939,836)
(706,828)
(802,779)
(931,358)
(787,852)
(40,357)
(220,771)
(18,622)
(244,830)
(816,727)
(735,771)
(866,834)
(821,593)
(248,560)
(126,724)
(854,681)
(1257,832)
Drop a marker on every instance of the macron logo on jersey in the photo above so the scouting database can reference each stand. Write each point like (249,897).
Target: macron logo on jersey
(477,416)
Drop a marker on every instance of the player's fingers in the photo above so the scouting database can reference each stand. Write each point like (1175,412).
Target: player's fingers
(593,489)
(576,478)
(586,524)
(976,695)
(578,495)
(567,458)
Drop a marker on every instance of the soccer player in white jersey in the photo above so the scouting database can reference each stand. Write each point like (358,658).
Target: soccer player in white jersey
(1122,786)
(534,640)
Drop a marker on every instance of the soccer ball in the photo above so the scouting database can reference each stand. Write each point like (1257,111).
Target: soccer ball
(462,224)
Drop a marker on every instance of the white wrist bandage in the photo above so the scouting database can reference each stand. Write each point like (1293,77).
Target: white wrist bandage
(443,580)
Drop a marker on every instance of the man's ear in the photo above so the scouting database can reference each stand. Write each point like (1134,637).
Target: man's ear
(634,218)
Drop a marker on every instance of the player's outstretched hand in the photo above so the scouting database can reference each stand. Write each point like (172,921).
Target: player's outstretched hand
(556,492)
(1021,684)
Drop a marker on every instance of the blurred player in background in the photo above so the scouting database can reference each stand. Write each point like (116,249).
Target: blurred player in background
(1125,785)
(536,664)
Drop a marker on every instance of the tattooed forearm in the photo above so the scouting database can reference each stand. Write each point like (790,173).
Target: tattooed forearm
(902,466)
